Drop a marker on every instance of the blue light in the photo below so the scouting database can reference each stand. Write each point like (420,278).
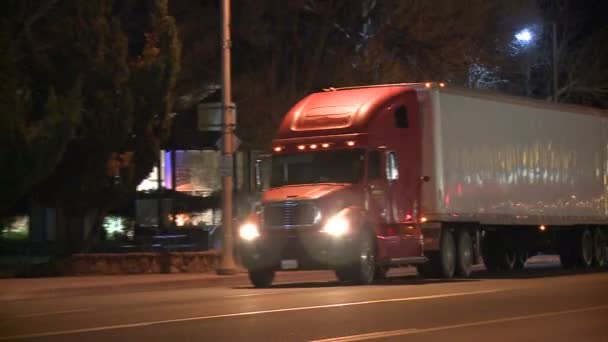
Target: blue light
(524,36)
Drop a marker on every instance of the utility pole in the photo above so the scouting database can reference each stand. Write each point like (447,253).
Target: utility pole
(227,265)
(554,60)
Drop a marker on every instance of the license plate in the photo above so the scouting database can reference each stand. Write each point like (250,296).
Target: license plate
(289,264)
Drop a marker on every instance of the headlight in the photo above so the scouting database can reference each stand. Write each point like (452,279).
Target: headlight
(336,226)
(249,232)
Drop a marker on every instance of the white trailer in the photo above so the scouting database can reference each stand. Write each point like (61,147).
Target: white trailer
(522,175)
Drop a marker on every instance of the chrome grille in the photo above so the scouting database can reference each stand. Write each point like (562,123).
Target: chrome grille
(289,213)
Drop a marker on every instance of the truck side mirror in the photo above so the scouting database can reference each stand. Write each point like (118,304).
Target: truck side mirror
(425,178)
(257,174)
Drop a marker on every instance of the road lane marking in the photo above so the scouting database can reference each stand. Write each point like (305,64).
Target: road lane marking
(250,295)
(402,332)
(241,314)
(51,313)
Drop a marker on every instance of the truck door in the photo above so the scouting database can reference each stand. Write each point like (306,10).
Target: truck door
(408,244)
(375,195)
(377,205)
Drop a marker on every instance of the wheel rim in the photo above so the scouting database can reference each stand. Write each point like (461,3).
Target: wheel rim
(465,254)
(448,255)
(368,260)
(586,249)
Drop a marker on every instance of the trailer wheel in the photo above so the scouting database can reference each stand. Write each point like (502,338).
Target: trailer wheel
(261,278)
(599,248)
(584,249)
(464,258)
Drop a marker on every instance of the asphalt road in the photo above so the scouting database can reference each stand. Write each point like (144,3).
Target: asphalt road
(541,303)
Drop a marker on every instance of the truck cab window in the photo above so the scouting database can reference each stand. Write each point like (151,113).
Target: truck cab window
(332,166)
(374,165)
(401,120)
(392,167)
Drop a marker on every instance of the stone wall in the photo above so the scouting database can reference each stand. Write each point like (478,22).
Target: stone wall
(135,263)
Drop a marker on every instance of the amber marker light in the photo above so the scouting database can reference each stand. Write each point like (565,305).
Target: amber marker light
(423,219)
(278,149)
(442,84)
(301,147)
(313,146)
(542,227)
(350,143)
(325,145)
(427,84)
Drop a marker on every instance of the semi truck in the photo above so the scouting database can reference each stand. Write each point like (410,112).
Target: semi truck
(441,178)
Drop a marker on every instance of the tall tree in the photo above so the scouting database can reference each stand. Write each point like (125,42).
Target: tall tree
(38,114)
(121,60)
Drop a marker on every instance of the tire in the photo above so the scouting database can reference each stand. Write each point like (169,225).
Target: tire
(464,257)
(584,249)
(600,249)
(362,269)
(441,264)
(261,278)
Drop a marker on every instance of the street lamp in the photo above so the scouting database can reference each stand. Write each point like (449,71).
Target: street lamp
(524,36)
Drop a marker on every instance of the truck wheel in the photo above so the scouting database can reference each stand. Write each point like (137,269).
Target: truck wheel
(584,249)
(447,253)
(464,260)
(599,248)
(261,278)
(441,264)
(363,268)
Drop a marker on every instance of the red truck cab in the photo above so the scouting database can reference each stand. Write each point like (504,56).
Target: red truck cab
(345,187)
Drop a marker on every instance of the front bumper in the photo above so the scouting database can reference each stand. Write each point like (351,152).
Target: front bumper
(293,249)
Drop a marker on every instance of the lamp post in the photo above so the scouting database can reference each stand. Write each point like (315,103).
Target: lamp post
(227,265)
(525,37)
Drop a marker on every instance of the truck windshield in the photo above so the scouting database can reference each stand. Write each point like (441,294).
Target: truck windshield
(337,166)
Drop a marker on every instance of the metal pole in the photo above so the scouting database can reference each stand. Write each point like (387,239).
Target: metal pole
(555,80)
(159,195)
(227,265)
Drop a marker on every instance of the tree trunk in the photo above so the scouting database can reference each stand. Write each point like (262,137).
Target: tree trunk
(92,234)
(292,89)
(61,231)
